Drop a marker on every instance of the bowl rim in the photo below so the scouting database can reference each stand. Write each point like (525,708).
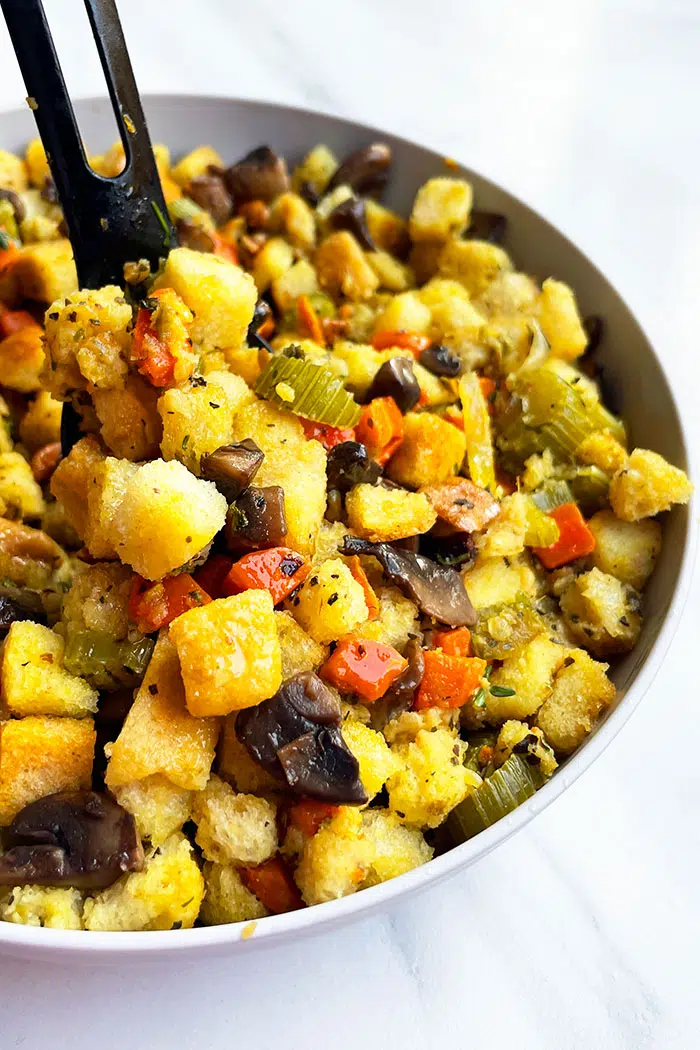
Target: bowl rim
(20,939)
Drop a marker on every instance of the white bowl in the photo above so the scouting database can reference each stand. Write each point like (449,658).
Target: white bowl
(631,367)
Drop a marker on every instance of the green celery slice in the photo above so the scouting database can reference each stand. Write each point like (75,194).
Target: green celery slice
(104,662)
(553,494)
(506,789)
(308,390)
(502,630)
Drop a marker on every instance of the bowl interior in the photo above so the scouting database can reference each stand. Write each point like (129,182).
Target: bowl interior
(630,365)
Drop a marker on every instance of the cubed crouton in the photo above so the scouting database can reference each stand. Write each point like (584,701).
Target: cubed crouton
(430,779)
(130,425)
(560,320)
(37,165)
(475,264)
(626,549)
(509,294)
(44,271)
(226,899)
(395,847)
(273,260)
(234,828)
(525,740)
(492,581)
(581,690)
(372,753)
(235,763)
(229,653)
(336,860)
(530,673)
(39,756)
(601,613)
(600,449)
(22,359)
(330,603)
(13,171)
(195,163)
(106,490)
(362,362)
(431,452)
(41,423)
(316,170)
(158,806)
(387,229)
(95,325)
(49,906)
(404,313)
(34,680)
(343,269)
(393,275)
(198,417)
(382,514)
(159,734)
(647,485)
(72,478)
(298,650)
(299,279)
(19,492)
(292,215)
(441,209)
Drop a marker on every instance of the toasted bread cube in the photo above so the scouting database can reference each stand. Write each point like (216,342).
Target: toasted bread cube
(459,325)
(37,164)
(336,860)
(538,750)
(530,673)
(158,806)
(495,580)
(395,847)
(13,171)
(234,828)
(601,613)
(221,296)
(98,599)
(49,906)
(298,650)
(396,621)
(509,294)
(159,734)
(39,756)
(381,514)
(198,418)
(600,449)
(22,359)
(625,549)
(560,320)
(273,260)
(428,784)
(581,690)
(647,485)
(167,893)
(404,313)
(163,501)
(393,275)
(387,229)
(19,492)
(441,209)
(431,452)
(441,291)
(105,494)
(236,764)
(343,269)
(34,681)
(475,264)
(372,753)
(130,425)
(362,362)
(88,330)
(229,653)
(505,536)
(226,899)
(291,461)
(316,169)
(41,423)
(330,603)
(195,163)
(299,279)
(44,271)
(72,478)
(292,215)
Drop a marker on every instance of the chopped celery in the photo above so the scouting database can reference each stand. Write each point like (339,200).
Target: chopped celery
(590,487)
(186,210)
(560,413)
(8,221)
(539,348)
(104,662)
(308,390)
(476,742)
(503,629)
(477,430)
(323,305)
(542,531)
(552,494)
(514,783)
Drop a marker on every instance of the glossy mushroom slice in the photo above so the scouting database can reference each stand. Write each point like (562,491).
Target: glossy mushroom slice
(260,175)
(349,464)
(366,171)
(396,379)
(257,519)
(81,839)
(296,737)
(232,467)
(351,215)
(438,589)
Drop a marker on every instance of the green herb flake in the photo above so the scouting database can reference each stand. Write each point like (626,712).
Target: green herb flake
(502,690)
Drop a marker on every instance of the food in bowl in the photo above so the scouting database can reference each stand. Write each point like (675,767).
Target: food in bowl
(321,566)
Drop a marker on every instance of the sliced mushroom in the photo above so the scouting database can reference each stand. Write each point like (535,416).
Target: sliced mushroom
(455,549)
(260,175)
(232,467)
(396,379)
(256,520)
(349,464)
(438,589)
(351,215)
(365,171)
(194,236)
(440,360)
(81,839)
(487,226)
(19,208)
(296,737)
(209,192)
(12,610)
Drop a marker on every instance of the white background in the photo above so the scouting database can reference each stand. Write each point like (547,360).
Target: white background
(583,931)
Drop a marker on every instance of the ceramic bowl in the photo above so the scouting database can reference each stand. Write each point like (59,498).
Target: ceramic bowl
(631,368)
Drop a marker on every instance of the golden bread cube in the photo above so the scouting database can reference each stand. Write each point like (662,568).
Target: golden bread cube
(330,602)
(105,493)
(530,673)
(233,828)
(19,492)
(343,269)
(226,899)
(298,649)
(432,451)
(647,485)
(34,680)
(273,260)
(625,549)
(158,806)
(195,163)
(22,359)
(581,691)
(41,423)
(475,264)
(72,479)
(198,417)
(560,320)
(382,514)
(13,171)
(441,209)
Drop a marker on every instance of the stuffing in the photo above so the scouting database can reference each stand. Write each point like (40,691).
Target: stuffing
(72,479)
(441,209)
(600,449)
(198,418)
(530,673)
(41,423)
(226,899)
(87,340)
(299,651)
(647,485)
(234,828)
(372,753)
(159,807)
(475,264)
(432,451)
(525,740)
(19,492)
(22,359)
(342,267)
(431,779)
(625,549)
(561,322)
(383,514)
(129,422)
(396,848)
(99,599)
(330,603)
(492,581)
(235,763)
(581,691)
(34,680)
(601,613)
(52,907)
(395,623)
(336,860)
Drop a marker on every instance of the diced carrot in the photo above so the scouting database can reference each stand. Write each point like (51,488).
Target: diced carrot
(307,815)
(45,460)
(308,321)
(150,354)
(278,570)
(457,642)
(328,436)
(154,605)
(225,249)
(359,574)
(454,415)
(365,667)
(488,386)
(13,320)
(575,538)
(9,256)
(448,681)
(272,884)
(380,428)
(212,574)
(404,340)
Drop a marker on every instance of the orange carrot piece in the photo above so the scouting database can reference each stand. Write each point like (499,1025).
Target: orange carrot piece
(575,538)
(224,249)
(212,574)
(457,642)
(404,340)
(13,320)
(448,681)
(154,605)
(272,884)
(307,815)
(278,570)
(488,386)
(360,575)
(308,321)
(364,667)
(380,428)
(328,436)
(150,354)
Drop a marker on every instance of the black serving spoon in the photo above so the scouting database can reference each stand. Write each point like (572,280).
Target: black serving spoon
(110,220)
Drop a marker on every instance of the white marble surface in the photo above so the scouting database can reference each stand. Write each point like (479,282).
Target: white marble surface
(583,931)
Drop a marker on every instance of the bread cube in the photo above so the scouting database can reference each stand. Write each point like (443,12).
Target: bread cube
(229,653)
(625,549)
(236,764)
(22,359)
(198,417)
(19,492)
(396,622)
(404,313)
(600,449)
(428,783)
(41,423)
(221,296)
(330,603)
(166,517)
(159,734)
(336,860)
(343,269)
(292,215)
(494,580)
(505,537)
(601,613)
(34,681)
(291,461)
(405,728)
(647,485)
(298,650)
(273,260)
(382,514)
(581,691)
(88,330)
(560,320)
(458,324)
(362,362)
(44,271)
(234,828)
(166,894)
(475,264)
(105,494)
(13,171)
(395,847)
(316,169)
(530,673)
(441,209)
(372,753)
(393,275)
(509,294)
(130,425)
(537,750)
(226,899)
(195,163)
(48,906)
(432,451)
(299,279)
(72,479)
(387,229)
(39,756)
(158,806)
